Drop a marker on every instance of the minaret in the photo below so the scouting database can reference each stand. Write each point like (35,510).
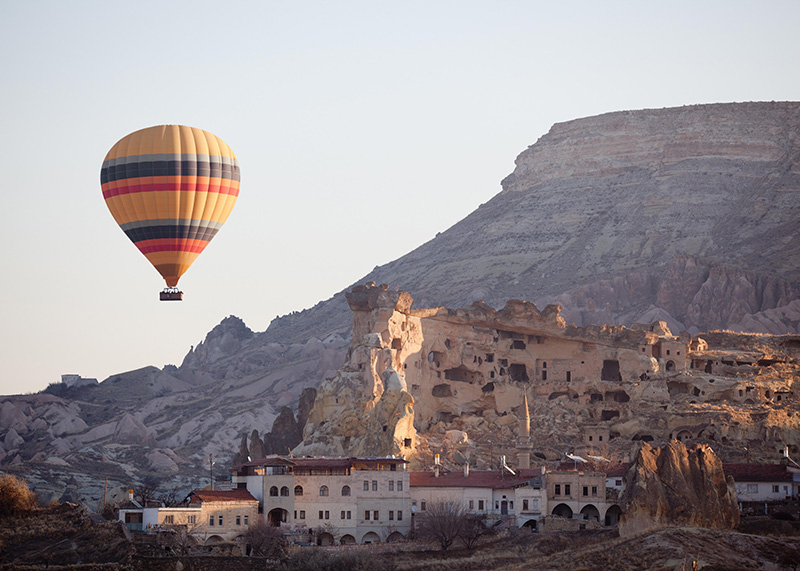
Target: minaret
(524,437)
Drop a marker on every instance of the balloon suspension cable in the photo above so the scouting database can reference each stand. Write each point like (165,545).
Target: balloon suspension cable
(171,294)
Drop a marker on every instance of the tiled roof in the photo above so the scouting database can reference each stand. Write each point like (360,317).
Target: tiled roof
(476,479)
(758,472)
(319,462)
(235,495)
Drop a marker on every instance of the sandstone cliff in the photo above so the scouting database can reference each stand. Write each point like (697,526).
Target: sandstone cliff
(427,381)
(676,486)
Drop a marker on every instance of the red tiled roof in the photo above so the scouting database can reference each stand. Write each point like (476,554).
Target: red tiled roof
(476,479)
(235,495)
(758,472)
(319,462)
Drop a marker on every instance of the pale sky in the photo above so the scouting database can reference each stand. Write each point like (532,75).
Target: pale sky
(362,129)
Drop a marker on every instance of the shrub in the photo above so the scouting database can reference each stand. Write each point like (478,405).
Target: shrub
(15,496)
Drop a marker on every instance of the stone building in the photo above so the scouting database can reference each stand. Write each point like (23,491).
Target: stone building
(210,516)
(506,499)
(337,500)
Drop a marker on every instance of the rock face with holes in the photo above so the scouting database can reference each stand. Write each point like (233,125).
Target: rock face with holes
(414,376)
(675,485)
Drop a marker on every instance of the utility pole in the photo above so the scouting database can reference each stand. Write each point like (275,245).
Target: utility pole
(211,467)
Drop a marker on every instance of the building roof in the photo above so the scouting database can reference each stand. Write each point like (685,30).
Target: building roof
(319,462)
(758,472)
(477,479)
(235,495)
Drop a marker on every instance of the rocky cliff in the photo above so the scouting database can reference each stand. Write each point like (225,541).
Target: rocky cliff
(461,383)
(687,214)
(677,486)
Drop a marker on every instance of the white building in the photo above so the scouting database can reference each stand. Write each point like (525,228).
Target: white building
(512,499)
(342,500)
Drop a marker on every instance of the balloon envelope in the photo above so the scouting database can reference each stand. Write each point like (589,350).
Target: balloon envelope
(170,188)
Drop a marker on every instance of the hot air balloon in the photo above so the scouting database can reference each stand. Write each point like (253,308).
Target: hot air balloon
(170,188)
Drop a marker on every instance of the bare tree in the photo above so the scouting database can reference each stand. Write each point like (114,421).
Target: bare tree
(265,540)
(473,528)
(330,529)
(146,491)
(443,522)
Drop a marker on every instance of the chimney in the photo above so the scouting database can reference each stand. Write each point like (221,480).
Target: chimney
(466,469)
(436,466)
(130,495)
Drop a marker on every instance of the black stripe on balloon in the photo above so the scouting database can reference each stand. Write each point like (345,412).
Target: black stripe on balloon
(171,232)
(169,168)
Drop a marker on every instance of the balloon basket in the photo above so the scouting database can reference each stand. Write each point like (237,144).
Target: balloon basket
(171,294)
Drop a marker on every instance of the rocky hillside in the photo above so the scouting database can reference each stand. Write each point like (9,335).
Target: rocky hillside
(684,215)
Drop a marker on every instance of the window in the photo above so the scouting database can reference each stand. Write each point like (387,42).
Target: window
(775,490)
(566,489)
(285,491)
(375,515)
(393,467)
(594,491)
(511,504)
(348,515)
(323,490)
(345,490)
(219,520)
(273,491)
(535,504)
(472,504)
(752,488)
(391,515)
(342,516)
(586,490)
(238,520)
(617,482)
(320,514)
(298,490)
(211,520)
(524,505)
(480,505)
(192,519)
(247,520)
(399,515)
(391,485)
(422,505)
(374,485)
(496,505)
(366,485)
(558,489)
(295,514)
(169,519)
(366,515)
(327,514)
(302,514)
(399,485)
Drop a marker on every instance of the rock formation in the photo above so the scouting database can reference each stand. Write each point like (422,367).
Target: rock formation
(675,486)
(414,378)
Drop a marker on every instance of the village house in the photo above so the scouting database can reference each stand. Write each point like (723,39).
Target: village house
(764,482)
(336,500)
(507,499)
(211,516)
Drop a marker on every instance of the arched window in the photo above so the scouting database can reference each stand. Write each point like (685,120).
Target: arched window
(273,491)
(284,491)
(298,490)
(323,491)
(345,490)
